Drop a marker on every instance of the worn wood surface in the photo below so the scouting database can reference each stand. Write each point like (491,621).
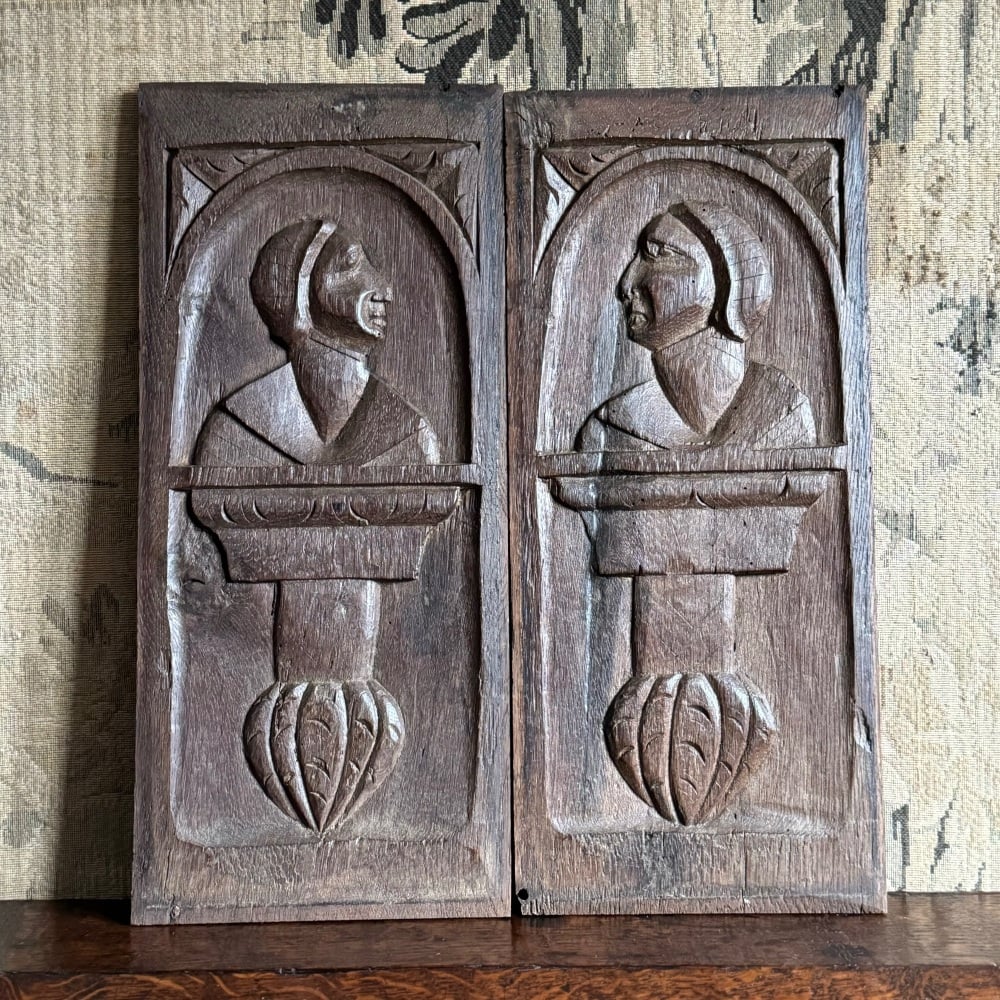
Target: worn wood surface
(927,946)
(323,671)
(695,701)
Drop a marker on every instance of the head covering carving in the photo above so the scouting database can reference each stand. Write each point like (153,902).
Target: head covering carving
(740,267)
(698,287)
(315,277)
(324,300)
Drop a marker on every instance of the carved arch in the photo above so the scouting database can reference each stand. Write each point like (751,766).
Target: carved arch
(226,205)
(749,169)
(228,195)
(738,162)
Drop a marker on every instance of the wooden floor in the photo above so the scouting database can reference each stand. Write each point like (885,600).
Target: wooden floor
(928,947)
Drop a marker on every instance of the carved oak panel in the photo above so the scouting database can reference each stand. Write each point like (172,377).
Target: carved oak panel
(323,703)
(694,682)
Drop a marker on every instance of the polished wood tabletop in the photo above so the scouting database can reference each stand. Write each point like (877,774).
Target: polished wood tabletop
(928,946)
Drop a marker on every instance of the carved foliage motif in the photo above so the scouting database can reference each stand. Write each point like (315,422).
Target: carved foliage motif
(446,168)
(685,742)
(320,750)
(563,172)
(814,169)
(198,174)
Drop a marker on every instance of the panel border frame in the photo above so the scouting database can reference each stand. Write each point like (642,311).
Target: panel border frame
(547,862)
(178,115)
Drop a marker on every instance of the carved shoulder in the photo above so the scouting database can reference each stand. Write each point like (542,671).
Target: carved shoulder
(225,441)
(419,448)
(643,419)
(639,419)
(770,412)
(796,427)
(790,422)
(592,434)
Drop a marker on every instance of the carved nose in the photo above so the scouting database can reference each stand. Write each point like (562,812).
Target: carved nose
(626,286)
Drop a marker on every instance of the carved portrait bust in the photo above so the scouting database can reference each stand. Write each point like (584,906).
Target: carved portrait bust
(327,304)
(697,289)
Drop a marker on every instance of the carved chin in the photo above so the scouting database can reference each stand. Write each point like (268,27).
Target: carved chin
(656,336)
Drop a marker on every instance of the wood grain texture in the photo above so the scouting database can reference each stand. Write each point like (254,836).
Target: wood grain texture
(927,946)
(695,707)
(323,672)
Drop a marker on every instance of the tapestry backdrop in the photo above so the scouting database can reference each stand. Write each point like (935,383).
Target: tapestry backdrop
(68,373)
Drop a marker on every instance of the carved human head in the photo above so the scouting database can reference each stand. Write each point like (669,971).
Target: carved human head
(314,281)
(696,265)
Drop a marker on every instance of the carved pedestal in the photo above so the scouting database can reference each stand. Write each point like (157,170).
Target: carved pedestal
(686,730)
(326,735)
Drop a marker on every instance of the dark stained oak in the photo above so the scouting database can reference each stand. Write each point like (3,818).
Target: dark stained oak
(695,710)
(323,704)
(928,946)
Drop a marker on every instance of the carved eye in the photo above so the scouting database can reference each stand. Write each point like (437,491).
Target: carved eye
(346,258)
(655,250)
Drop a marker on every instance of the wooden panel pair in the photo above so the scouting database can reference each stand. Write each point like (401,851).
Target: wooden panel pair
(324,699)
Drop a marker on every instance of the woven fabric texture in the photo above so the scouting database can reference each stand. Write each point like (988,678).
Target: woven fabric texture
(69,366)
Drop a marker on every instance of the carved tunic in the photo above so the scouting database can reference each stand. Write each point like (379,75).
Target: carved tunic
(768,411)
(267,423)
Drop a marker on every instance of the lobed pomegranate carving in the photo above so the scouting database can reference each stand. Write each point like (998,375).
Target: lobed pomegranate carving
(684,742)
(319,750)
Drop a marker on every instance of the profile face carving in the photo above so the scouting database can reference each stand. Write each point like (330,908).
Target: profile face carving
(667,289)
(695,266)
(324,300)
(350,296)
(314,281)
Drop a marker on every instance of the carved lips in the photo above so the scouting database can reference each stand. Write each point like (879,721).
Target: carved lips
(319,750)
(684,742)
(372,312)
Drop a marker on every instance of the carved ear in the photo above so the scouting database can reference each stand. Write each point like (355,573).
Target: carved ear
(742,269)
